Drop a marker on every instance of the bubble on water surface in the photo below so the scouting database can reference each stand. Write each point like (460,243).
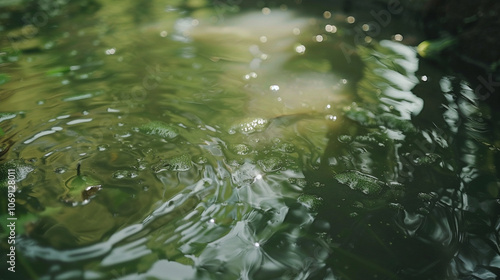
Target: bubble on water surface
(271,164)
(311,202)
(242,149)
(160,129)
(284,147)
(359,181)
(178,163)
(121,174)
(22,170)
(274,88)
(250,125)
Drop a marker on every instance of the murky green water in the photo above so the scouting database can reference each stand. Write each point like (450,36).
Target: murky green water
(174,140)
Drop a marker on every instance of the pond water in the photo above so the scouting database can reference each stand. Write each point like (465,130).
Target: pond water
(188,140)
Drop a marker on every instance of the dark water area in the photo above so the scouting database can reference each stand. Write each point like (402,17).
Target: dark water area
(241,140)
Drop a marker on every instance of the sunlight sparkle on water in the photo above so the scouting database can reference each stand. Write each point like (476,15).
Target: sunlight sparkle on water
(250,75)
(274,88)
(110,51)
(331,117)
(330,28)
(78,121)
(300,49)
(398,37)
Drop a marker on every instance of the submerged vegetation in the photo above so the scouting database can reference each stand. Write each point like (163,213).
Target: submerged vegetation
(247,140)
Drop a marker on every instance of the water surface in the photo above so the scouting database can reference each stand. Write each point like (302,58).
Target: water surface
(196,141)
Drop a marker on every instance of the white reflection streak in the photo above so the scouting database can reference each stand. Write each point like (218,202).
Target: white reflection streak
(78,121)
(43,133)
(127,252)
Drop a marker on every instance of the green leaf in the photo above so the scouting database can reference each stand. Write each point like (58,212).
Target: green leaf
(80,188)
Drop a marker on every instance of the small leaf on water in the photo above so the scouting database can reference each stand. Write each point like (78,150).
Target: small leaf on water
(80,188)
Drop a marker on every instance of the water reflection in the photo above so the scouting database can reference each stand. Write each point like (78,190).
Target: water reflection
(227,149)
